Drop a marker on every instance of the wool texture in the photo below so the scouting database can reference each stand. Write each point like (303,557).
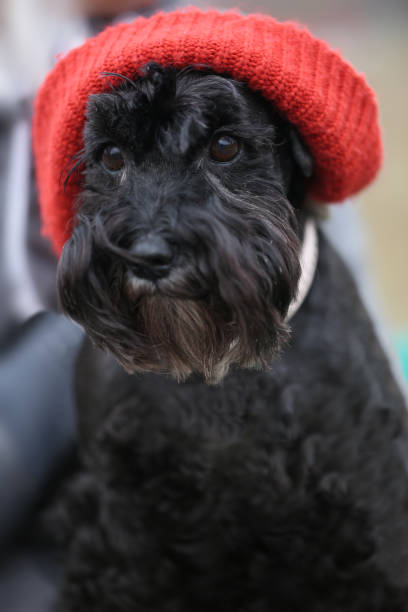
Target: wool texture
(331,105)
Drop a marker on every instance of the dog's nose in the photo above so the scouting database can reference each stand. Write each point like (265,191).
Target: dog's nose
(153,256)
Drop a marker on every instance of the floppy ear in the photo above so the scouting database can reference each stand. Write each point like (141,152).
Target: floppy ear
(301,153)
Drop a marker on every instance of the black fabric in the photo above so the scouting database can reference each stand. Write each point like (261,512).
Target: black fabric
(36,413)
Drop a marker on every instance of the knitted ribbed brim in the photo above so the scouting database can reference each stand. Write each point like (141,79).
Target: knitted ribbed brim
(331,105)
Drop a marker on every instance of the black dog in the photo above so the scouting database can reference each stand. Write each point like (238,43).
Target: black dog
(284,487)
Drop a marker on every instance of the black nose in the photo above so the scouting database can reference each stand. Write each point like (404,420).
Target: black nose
(152,257)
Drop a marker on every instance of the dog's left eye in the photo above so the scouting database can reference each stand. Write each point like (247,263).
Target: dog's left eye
(224,148)
(112,158)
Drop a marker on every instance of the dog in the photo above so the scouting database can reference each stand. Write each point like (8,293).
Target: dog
(234,459)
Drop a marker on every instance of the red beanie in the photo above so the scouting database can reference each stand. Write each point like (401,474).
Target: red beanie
(331,105)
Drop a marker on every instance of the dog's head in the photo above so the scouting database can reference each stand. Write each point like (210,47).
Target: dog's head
(185,252)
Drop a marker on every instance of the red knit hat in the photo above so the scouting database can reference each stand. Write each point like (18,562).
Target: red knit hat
(331,105)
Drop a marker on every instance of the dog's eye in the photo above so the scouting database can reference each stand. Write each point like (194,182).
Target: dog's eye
(112,158)
(224,148)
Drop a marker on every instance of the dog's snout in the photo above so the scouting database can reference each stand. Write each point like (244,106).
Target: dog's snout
(153,256)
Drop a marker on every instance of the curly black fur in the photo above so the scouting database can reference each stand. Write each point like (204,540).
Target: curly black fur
(281,489)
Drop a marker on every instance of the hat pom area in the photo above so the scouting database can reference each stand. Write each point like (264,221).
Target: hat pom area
(331,105)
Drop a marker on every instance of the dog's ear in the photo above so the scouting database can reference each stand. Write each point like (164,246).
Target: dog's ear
(300,153)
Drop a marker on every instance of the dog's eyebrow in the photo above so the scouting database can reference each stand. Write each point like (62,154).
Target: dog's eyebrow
(77,160)
(106,115)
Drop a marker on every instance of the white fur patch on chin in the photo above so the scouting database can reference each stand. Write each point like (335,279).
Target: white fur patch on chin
(135,287)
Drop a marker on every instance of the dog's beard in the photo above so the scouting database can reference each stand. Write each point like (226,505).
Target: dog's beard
(225,303)
(190,337)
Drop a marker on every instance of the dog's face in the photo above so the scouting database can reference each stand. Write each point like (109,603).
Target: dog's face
(184,255)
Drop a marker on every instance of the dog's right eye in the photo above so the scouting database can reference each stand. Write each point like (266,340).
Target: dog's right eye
(112,158)
(224,148)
